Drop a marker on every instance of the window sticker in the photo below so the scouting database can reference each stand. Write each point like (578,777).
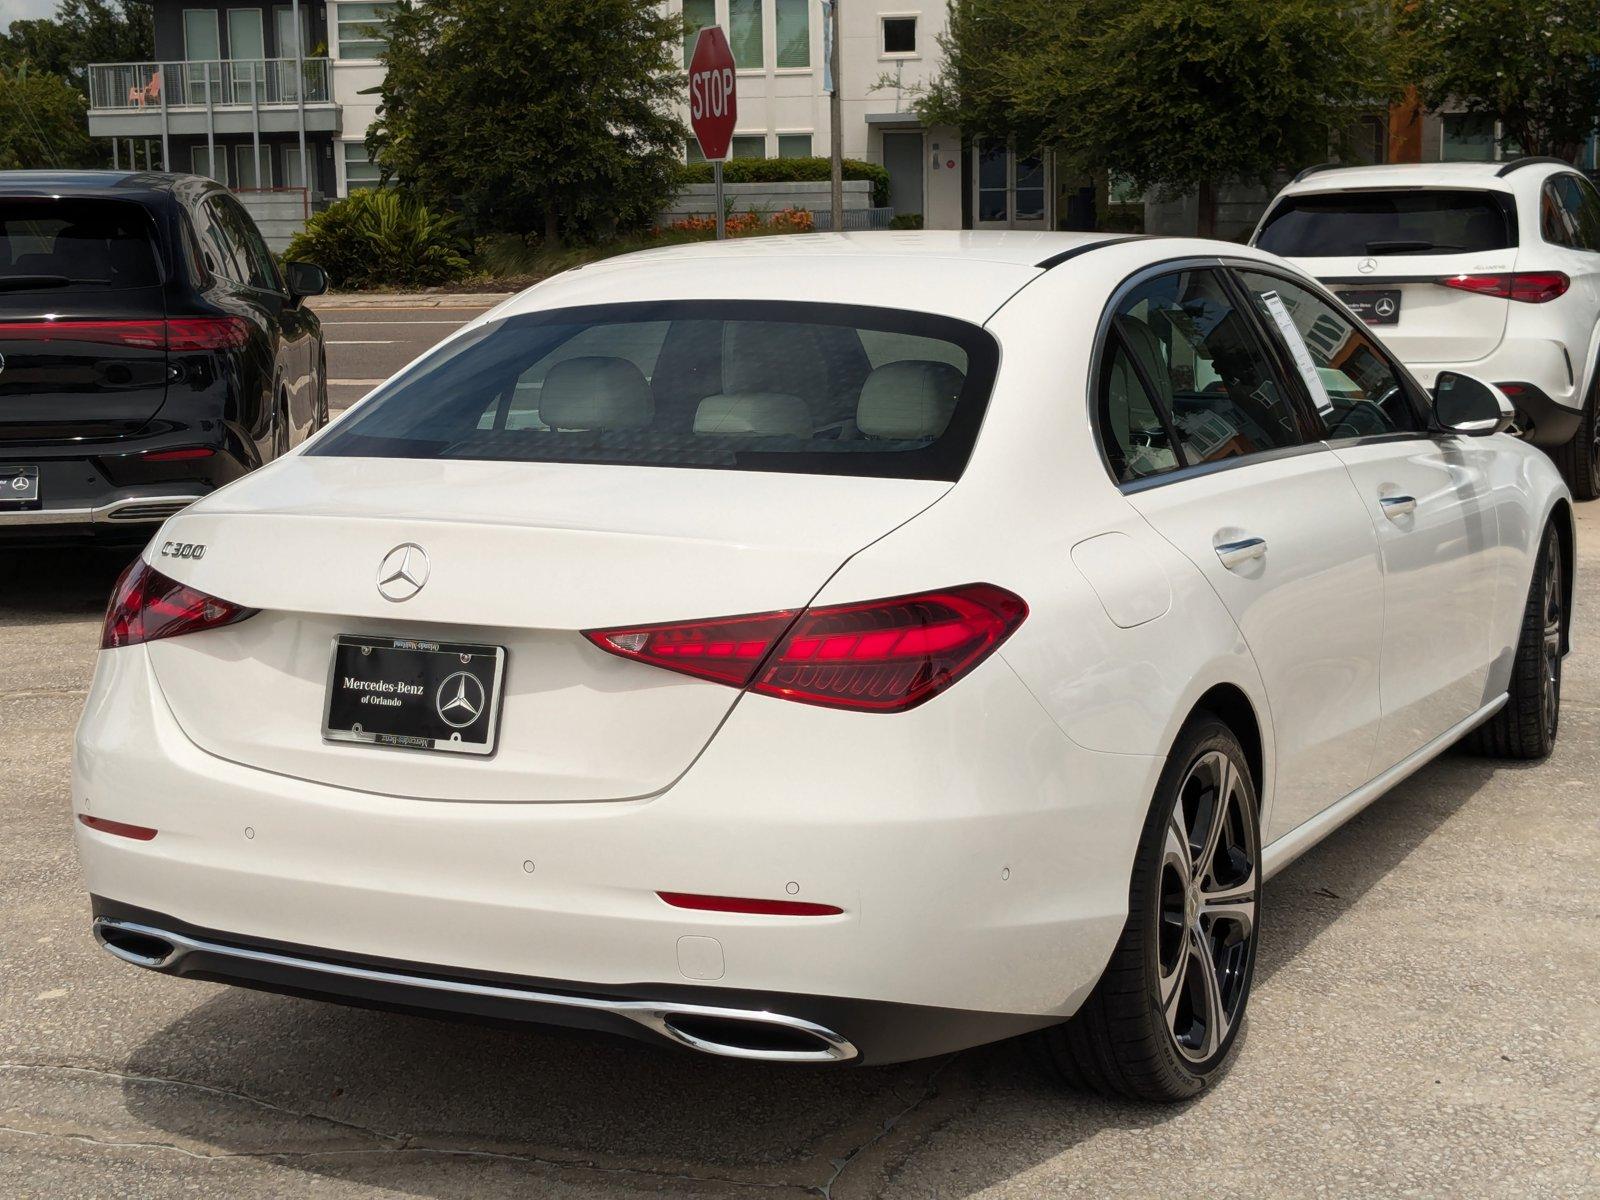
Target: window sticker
(1298,350)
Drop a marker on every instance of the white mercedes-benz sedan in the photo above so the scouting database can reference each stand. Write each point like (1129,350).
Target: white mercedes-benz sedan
(816,649)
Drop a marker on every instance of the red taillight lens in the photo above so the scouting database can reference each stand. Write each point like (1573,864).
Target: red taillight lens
(1529,287)
(146,606)
(184,334)
(877,656)
(181,454)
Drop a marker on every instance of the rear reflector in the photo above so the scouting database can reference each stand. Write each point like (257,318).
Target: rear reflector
(182,333)
(876,656)
(1529,287)
(183,454)
(146,606)
(736,904)
(139,833)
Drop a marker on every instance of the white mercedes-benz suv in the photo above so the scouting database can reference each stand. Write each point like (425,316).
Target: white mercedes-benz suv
(823,648)
(1492,268)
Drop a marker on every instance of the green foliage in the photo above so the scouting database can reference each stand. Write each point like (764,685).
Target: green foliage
(381,237)
(790,170)
(43,121)
(552,114)
(1533,64)
(1173,94)
(82,32)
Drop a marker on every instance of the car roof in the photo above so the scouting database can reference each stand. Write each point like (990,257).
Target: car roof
(1488,176)
(967,275)
(95,183)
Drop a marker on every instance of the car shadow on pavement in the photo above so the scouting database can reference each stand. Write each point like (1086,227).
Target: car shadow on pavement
(432,1108)
(52,586)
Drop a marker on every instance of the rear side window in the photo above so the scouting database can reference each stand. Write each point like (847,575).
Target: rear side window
(1186,381)
(101,244)
(749,386)
(1356,224)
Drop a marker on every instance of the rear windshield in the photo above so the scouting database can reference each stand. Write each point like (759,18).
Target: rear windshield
(747,386)
(75,243)
(1355,224)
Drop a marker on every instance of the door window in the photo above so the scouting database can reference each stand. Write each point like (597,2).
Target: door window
(1186,344)
(1368,395)
(202,48)
(1582,213)
(247,51)
(248,259)
(993,160)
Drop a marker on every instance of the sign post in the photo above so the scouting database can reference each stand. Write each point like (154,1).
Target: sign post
(713,106)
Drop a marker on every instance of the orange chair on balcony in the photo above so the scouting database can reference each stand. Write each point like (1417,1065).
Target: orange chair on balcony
(150,93)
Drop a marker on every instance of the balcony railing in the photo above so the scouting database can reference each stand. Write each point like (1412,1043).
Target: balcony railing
(228,82)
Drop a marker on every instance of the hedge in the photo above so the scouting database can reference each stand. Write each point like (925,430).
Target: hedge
(792,170)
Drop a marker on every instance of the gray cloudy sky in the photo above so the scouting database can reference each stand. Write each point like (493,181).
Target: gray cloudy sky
(10,10)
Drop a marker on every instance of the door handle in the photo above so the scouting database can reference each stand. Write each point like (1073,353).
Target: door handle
(1395,507)
(1236,554)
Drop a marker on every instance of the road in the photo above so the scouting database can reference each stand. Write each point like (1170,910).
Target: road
(368,344)
(1424,1022)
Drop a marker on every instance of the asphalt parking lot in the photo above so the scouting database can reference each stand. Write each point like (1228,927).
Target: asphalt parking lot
(369,342)
(1426,1020)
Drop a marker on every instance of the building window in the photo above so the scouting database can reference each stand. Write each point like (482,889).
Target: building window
(1467,137)
(750,146)
(794,32)
(359,170)
(697,14)
(691,151)
(794,145)
(899,35)
(200,162)
(361,29)
(744,33)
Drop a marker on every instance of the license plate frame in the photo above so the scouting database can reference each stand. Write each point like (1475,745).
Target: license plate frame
(19,487)
(418,690)
(1366,303)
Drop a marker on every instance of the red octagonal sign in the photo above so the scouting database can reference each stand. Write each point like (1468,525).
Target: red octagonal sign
(713,107)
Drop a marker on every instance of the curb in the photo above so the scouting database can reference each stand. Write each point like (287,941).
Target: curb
(409,300)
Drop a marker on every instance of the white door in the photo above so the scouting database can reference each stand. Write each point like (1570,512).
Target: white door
(1430,501)
(247,52)
(202,52)
(1269,516)
(1009,191)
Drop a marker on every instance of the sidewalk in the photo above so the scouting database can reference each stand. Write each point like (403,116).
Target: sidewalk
(409,300)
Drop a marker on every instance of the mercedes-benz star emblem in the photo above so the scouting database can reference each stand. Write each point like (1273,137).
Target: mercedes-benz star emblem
(459,699)
(1384,307)
(403,572)
(1367,266)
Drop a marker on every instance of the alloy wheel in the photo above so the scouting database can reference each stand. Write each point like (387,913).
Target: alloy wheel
(1210,880)
(1550,653)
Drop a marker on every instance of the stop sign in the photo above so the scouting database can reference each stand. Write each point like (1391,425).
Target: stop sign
(713,108)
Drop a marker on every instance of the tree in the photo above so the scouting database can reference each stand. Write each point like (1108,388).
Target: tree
(552,114)
(1534,65)
(1176,95)
(43,121)
(82,32)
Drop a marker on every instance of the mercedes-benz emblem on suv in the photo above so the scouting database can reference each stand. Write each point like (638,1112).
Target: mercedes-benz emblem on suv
(403,572)
(459,700)
(1367,266)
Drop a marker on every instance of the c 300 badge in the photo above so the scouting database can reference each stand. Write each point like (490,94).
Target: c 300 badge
(183,550)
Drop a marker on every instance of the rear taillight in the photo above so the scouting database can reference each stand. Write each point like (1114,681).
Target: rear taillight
(876,656)
(178,454)
(1529,287)
(181,334)
(146,606)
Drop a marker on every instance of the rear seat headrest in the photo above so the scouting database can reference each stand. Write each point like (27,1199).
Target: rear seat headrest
(596,393)
(770,414)
(909,400)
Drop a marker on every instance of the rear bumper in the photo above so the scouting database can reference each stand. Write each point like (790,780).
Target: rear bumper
(1550,401)
(980,857)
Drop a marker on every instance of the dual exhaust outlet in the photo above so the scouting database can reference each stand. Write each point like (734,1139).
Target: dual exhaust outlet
(710,1029)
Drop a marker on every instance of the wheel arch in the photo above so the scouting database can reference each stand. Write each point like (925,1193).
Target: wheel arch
(1230,705)
(1561,516)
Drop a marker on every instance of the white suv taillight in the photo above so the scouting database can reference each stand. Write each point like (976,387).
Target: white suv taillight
(146,606)
(1529,287)
(875,656)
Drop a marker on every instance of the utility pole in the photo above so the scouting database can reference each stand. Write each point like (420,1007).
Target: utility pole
(835,123)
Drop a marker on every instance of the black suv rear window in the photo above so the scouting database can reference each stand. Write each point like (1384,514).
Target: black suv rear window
(747,386)
(48,243)
(1356,224)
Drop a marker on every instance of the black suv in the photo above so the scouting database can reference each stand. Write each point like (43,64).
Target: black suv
(150,351)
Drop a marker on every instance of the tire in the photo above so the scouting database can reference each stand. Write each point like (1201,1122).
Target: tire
(1526,727)
(1579,460)
(1125,1041)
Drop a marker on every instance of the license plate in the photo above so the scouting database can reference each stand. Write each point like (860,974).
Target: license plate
(1375,307)
(414,695)
(19,487)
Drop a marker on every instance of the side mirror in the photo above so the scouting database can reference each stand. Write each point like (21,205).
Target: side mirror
(305,279)
(1462,404)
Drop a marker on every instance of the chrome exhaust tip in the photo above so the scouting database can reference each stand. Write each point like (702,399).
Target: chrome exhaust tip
(135,944)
